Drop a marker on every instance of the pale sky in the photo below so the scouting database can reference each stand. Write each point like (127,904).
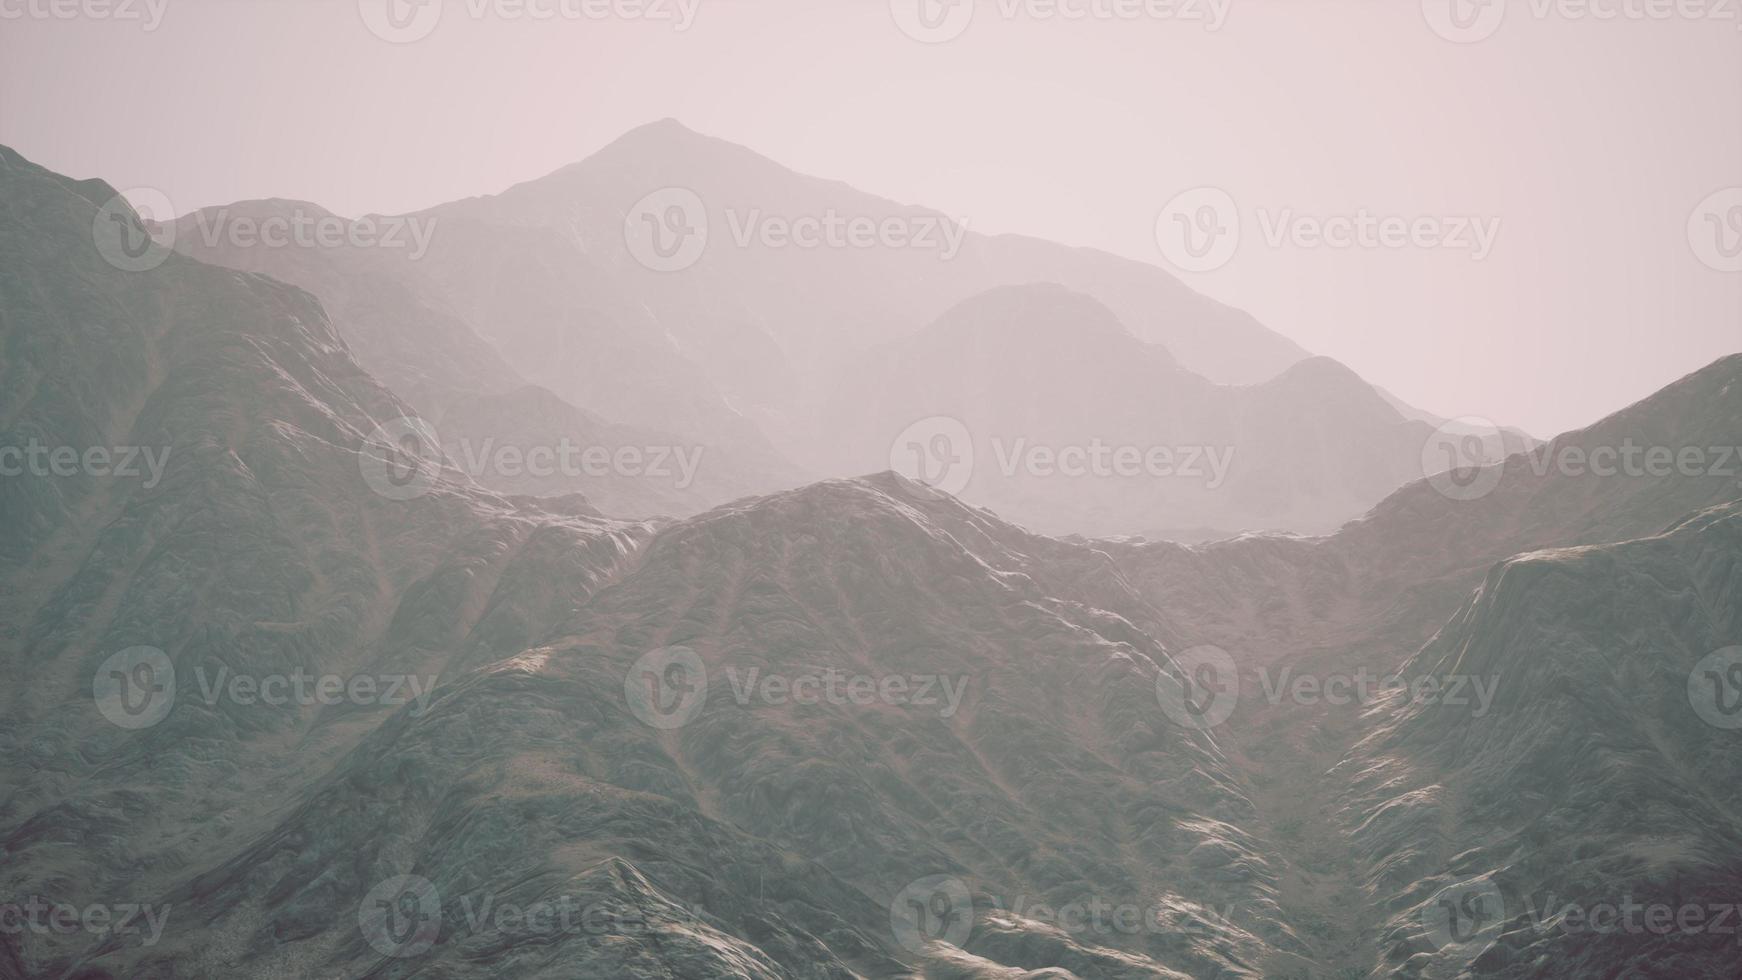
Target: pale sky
(1591,142)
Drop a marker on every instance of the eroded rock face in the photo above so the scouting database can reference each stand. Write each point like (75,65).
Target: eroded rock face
(1594,807)
(255,537)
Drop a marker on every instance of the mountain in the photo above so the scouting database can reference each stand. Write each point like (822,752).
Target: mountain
(1399,571)
(149,766)
(769,317)
(854,729)
(1032,373)
(624,470)
(765,347)
(380,280)
(765,833)
(1600,792)
(227,517)
(387,313)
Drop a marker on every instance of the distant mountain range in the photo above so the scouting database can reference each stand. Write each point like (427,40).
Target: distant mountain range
(788,362)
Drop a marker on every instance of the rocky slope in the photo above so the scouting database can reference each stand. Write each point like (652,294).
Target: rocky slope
(227,517)
(1586,825)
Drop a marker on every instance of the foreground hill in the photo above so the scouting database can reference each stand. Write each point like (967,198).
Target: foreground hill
(1593,809)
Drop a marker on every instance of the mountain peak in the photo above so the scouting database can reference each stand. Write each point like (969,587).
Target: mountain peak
(663,136)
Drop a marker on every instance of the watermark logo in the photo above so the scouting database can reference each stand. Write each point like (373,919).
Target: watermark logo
(1101,916)
(135,688)
(44,917)
(1201,230)
(305,690)
(134,231)
(1462,920)
(1633,917)
(38,459)
(401,21)
(402,458)
(1464,459)
(1715,688)
(409,21)
(835,230)
(937,451)
(667,231)
(932,21)
(1199,687)
(667,687)
(1470,21)
(934,909)
(1364,688)
(830,685)
(1464,21)
(301,228)
(147,13)
(402,916)
(1715,230)
(938,21)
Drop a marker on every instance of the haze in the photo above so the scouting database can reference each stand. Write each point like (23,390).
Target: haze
(1589,142)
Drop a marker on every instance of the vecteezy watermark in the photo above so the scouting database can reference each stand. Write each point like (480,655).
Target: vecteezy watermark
(38,459)
(1630,917)
(134,231)
(1465,459)
(668,687)
(403,916)
(937,21)
(302,228)
(669,230)
(137,687)
(1715,688)
(933,909)
(1470,21)
(1364,687)
(936,451)
(402,459)
(406,21)
(1200,687)
(306,690)
(1097,915)
(147,13)
(1201,230)
(1463,919)
(45,917)
(1715,229)
(939,451)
